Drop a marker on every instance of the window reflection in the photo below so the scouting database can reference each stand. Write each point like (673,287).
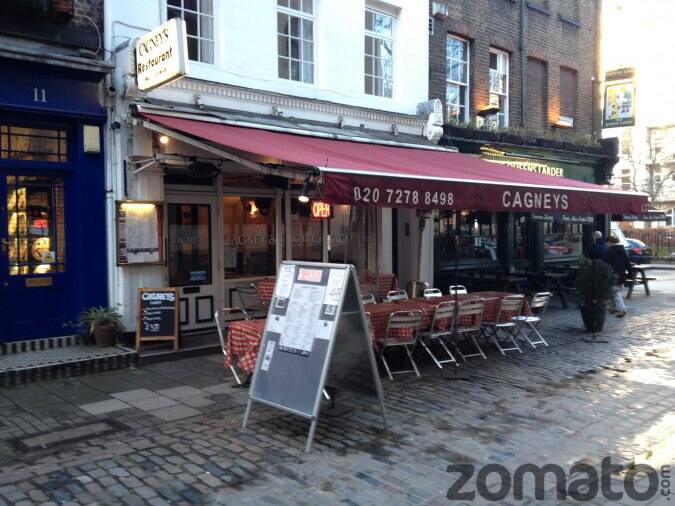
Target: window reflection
(189,244)
(562,239)
(477,236)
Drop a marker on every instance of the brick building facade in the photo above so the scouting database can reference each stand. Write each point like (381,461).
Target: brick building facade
(560,38)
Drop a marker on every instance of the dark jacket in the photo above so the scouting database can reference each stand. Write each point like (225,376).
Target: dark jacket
(599,249)
(618,259)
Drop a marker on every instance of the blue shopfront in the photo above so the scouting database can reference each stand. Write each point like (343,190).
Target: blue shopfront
(52,198)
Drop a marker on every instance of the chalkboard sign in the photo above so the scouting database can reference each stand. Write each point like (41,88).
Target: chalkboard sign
(316,334)
(157,315)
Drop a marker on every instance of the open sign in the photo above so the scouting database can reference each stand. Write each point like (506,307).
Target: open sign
(321,209)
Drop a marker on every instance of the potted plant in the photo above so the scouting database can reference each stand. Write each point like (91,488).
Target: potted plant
(103,323)
(595,283)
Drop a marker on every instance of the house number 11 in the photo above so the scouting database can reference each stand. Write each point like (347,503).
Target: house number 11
(39,95)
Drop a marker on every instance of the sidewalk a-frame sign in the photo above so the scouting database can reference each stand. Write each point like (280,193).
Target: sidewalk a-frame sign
(316,335)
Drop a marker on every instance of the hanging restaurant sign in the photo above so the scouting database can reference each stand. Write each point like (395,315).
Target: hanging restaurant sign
(619,105)
(161,55)
(321,209)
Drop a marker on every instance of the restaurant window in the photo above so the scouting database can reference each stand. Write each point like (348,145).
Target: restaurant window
(34,144)
(295,40)
(568,92)
(198,16)
(499,88)
(306,233)
(360,251)
(249,236)
(477,236)
(379,55)
(189,244)
(457,85)
(562,239)
(35,225)
(520,253)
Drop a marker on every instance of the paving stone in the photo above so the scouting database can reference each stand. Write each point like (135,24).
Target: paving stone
(197,401)
(180,392)
(103,407)
(134,395)
(177,412)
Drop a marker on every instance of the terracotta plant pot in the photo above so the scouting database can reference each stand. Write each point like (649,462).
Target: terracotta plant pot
(105,335)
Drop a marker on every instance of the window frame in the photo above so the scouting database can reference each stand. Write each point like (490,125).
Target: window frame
(199,13)
(301,15)
(506,58)
(380,37)
(466,86)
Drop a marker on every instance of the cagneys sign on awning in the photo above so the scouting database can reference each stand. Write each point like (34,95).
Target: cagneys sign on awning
(161,55)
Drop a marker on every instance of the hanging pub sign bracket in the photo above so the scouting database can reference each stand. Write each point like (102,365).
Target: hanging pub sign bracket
(316,335)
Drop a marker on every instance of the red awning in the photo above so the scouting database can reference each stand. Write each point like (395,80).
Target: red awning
(377,175)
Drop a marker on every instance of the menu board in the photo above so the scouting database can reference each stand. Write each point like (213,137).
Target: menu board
(157,315)
(316,332)
(139,233)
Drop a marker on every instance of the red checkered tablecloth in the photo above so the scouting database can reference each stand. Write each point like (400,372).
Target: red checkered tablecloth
(386,281)
(266,289)
(243,341)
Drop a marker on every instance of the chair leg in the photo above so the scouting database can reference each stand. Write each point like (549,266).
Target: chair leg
(475,343)
(533,331)
(412,361)
(433,357)
(386,365)
(452,358)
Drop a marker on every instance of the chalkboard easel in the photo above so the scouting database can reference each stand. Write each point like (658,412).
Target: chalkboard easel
(316,334)
(157,316)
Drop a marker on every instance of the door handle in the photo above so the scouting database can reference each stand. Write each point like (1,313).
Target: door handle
(4,245)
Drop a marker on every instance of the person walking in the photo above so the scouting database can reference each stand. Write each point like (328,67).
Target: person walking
(599,249)
(617,258)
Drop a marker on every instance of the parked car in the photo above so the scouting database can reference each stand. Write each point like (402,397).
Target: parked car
(638,252)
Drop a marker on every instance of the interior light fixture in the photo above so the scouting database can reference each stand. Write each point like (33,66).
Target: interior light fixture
(304,193)
(253,210)
(164,139)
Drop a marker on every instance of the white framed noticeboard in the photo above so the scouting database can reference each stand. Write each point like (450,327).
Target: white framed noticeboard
(140,237)
(316,335)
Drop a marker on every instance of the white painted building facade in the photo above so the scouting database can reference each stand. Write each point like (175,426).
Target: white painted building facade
(355,65)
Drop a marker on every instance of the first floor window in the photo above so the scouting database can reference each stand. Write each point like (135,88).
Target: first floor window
(295,40)
(499,89)
(457,79)
(379,54)
(198,16)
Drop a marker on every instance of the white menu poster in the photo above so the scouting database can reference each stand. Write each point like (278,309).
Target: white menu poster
(302,318)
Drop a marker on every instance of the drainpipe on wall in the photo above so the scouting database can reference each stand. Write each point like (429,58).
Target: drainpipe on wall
(522,63)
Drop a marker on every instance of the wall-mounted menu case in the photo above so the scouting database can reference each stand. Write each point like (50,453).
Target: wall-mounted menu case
(140,236)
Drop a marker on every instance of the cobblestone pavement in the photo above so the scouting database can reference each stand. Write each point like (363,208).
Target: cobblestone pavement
(170,433)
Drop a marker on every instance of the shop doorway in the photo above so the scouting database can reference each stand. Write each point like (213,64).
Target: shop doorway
(192,225)
(36,280)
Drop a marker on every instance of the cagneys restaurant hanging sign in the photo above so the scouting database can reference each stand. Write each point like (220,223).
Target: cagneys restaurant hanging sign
(161,55)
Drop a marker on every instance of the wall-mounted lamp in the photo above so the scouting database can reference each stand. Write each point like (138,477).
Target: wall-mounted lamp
(304,193)
(564,122)
(163,139)
(253,209)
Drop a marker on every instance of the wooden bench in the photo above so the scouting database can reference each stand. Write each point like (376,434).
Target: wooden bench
(642,279)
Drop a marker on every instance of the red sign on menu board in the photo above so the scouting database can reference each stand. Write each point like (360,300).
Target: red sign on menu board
(321,209)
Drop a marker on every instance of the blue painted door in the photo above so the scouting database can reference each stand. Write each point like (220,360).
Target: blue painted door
(36,277)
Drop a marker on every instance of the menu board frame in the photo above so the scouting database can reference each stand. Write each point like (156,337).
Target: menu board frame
(120,232)
(140,338)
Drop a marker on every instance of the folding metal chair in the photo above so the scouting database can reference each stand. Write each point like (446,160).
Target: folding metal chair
(441,328)
(430,293)
(402,328)
(504,325)
(468,325)
(461,289)
(223,316)
(250,300)
(368,299)
(538,307)
(396,295)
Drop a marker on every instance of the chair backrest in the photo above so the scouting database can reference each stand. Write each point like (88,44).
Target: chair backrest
(510,306)
(457,289)
(397,295)
(248,295)
(405,320)
(222,317)
(444,313)
(430,293)
(470,313)
(540,302)
(369,298)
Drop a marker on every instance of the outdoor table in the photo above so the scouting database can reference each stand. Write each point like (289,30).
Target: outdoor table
(544,280)
(243,341)
(639,278)
(266,290)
